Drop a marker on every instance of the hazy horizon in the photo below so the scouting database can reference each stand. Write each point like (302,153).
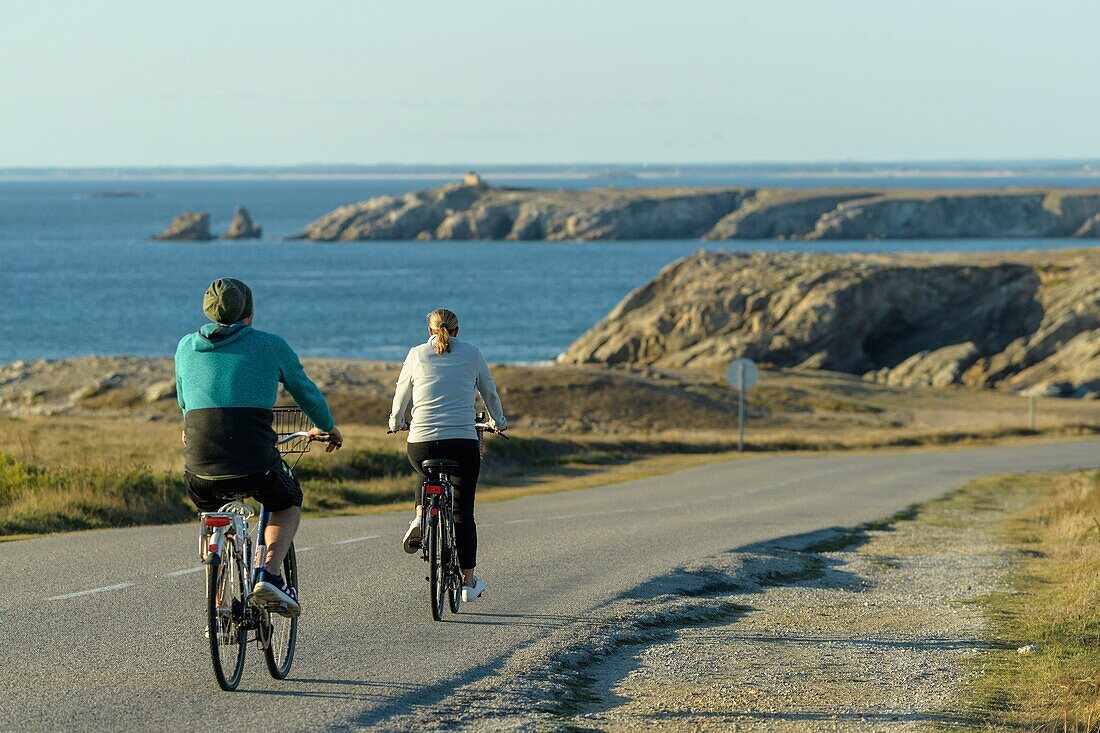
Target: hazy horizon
(975,165)
(120,84)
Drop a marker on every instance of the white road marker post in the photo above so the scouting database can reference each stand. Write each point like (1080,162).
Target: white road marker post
(742,375)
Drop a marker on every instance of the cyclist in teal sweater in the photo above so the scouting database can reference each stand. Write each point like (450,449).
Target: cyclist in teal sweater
(227,381)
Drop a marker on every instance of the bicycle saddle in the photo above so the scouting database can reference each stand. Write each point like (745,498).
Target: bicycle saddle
(439,465)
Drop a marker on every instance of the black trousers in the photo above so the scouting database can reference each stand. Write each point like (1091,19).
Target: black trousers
(467,453)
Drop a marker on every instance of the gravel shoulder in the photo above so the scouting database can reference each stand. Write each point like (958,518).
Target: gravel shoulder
(878,639)
(869,629)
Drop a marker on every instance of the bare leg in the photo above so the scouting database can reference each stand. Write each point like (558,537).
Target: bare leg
(281,527)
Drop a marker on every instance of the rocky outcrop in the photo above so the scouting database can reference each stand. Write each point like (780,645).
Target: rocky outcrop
(967,215)
(479,211)
(191,226)
(907,320)
(242,226)
(475,210)
(775,214)
(1090,229)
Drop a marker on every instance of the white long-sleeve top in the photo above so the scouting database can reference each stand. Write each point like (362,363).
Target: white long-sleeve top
(443,392)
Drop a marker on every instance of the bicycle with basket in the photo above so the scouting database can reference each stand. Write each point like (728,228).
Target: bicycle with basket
(231,553)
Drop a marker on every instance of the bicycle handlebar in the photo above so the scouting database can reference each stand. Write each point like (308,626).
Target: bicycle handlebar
(478,425)
(488,429)
(303,434)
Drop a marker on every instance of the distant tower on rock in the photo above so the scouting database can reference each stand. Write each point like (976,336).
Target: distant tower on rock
(473,179)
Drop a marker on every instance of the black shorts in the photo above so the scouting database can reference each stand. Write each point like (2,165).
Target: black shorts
(276,489)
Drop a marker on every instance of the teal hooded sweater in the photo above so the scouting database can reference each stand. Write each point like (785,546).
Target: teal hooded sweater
(227,382)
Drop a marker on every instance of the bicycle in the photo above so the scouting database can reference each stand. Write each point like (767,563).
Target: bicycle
(437,527)
(231,555)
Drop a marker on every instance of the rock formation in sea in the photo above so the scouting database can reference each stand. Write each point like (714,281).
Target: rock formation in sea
(242,226)
(479,211)
(475,210)
(1018,322)
(191,226)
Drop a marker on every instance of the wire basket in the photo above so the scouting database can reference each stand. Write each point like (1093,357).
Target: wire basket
(287,422)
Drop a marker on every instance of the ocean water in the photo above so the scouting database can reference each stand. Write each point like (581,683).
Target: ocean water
(80,276)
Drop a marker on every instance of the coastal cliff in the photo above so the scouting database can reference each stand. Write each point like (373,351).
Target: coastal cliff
(1027,322)
(474,210)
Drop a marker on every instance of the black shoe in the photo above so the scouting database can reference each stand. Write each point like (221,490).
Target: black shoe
(272,591)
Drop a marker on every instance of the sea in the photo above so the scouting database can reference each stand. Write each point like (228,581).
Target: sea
(80,275)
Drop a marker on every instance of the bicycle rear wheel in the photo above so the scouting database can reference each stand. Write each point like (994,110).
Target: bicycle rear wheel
(454,574)
(437,576)
(282,632)
(225,606)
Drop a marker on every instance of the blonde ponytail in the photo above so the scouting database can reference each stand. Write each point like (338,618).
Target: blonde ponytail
(442,323)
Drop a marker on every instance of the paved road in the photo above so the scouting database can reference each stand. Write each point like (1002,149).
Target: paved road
(104,629)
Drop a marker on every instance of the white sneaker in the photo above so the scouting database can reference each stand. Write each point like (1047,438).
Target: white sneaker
(473,592)
(411,543)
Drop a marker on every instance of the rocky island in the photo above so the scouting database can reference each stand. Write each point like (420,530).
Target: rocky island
(242,226)
(474,210)
(1027,322)
(190,226)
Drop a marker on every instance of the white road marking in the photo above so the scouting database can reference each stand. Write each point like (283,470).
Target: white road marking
(304,549)
(358,539)
(188,571)
(517,521)
(104,589)
(561,516)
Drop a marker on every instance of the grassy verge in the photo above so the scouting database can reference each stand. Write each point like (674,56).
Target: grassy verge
(36,500)
(1054,529)
(56,479)
(39,496)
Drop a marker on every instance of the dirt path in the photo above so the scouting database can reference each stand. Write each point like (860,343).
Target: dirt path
(793,635)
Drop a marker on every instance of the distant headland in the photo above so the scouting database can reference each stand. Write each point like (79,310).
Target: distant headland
(473,209)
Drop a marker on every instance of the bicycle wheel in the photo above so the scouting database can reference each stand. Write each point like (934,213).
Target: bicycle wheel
(282,632)
(225,604)
(437,577)
(454,574)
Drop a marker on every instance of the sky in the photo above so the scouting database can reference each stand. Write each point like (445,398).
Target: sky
(138,83)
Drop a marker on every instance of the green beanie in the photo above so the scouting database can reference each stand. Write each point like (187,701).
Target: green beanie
(227,301)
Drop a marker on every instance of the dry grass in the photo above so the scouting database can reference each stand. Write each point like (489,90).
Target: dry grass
(1056,606)
(36,500)
(85,472)
(572,427)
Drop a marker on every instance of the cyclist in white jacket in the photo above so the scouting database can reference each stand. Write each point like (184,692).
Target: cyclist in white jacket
(441,379)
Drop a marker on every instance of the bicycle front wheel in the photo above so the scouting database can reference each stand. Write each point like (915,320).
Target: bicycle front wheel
(225,608)
(282,632)
(437,576)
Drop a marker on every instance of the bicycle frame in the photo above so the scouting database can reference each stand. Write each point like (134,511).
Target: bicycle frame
(437,530)
(227,529)
(436,506)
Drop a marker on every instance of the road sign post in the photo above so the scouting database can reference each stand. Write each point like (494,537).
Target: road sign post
(742,375)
